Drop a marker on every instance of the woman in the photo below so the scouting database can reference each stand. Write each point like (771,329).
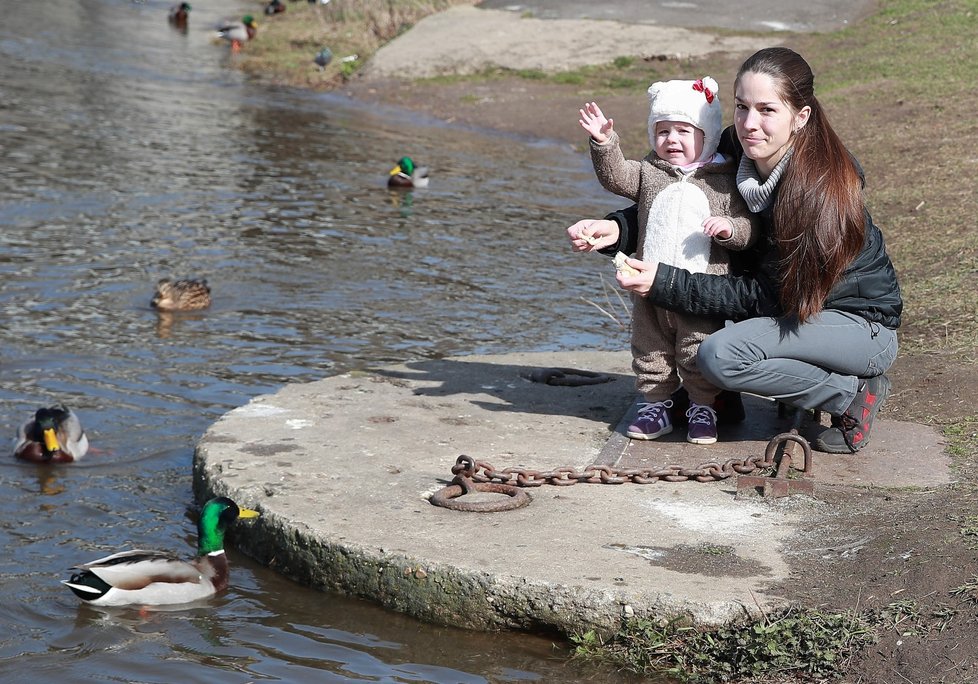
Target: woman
(816,302)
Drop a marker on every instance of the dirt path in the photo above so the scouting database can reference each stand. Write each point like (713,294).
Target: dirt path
(465,40)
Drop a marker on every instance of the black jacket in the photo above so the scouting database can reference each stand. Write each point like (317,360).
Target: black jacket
(868,287)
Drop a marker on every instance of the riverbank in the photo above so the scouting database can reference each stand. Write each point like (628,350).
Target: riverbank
(900,72)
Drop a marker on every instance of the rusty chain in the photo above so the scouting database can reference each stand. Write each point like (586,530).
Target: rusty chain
(480,471)
(479,476)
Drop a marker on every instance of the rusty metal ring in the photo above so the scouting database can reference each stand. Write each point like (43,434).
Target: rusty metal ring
(445,497)
(784,437)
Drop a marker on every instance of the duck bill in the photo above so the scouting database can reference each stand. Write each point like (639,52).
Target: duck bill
(247,513)
(51,440)
(396,170)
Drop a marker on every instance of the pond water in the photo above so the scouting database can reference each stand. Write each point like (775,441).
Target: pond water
(131,151)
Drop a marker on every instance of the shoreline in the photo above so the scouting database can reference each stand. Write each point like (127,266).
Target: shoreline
(509,72)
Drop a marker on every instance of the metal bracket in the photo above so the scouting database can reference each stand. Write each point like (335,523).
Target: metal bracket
(780,485)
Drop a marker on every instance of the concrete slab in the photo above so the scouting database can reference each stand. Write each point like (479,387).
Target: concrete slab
(342,470)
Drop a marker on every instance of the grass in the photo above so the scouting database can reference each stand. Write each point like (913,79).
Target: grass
(808,644)
(287,42)
(794,645)
(968,591)
(910,64)
(962,436)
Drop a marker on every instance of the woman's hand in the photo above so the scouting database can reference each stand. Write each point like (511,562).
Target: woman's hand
(593,234)
(641,283)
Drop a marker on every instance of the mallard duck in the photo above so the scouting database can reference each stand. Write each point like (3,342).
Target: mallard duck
(179,14)
(156,578)
(406,175)
(238,32)
(274,7)
(181,295)
(53,435)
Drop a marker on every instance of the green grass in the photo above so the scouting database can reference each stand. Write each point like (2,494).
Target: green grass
(807,644)
(962,438)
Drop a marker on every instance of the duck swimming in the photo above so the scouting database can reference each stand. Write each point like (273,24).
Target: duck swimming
(406,175)
(181,295)
(53,435)
(179,14)
(157,578)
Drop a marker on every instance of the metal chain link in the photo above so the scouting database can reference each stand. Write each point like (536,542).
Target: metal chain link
(481,471)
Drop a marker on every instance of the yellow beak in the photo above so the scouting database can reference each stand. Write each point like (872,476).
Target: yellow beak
(51,440)
(247,513)
(396,170)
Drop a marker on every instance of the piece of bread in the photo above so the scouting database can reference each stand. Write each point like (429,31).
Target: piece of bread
(622,266)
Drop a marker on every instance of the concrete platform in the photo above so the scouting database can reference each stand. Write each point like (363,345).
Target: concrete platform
(342,470)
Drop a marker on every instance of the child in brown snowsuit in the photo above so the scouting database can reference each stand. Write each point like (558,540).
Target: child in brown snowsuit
(690,214)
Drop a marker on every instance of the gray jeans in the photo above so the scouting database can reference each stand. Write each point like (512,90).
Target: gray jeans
(812,365)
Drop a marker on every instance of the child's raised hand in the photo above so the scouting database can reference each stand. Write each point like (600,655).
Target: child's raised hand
(718,227)
(595,123)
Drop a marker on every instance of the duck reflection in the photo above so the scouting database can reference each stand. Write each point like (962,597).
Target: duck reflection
(403,201)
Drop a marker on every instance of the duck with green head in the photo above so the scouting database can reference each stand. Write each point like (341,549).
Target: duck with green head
(157,578)
(406,174)
(239,32)
(53,435)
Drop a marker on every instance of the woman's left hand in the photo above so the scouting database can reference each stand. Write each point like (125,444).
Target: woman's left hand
(641,283)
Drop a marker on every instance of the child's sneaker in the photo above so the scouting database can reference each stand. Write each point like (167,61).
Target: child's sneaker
(850,431)
(652,421)
(702,424)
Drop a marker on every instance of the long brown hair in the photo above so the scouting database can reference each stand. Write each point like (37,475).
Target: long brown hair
(819,215)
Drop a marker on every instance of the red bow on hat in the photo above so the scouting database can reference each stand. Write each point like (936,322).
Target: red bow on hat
(700,88)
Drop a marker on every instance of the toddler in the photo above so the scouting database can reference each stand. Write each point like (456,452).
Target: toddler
(690,214)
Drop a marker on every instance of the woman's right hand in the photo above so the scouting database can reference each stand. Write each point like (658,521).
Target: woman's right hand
(641,282)
(593,234)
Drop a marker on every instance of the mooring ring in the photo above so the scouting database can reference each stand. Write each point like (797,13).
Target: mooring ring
(784,438)
(446,497)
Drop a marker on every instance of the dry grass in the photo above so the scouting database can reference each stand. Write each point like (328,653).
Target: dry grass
(286,44)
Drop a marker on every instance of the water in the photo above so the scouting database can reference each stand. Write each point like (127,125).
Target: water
(130,151)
